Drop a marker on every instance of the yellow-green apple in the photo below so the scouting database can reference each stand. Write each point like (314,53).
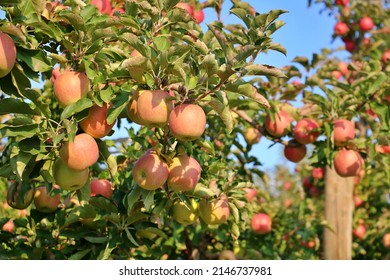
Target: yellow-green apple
(185,6)
(104,6)
(9,226)
(306,131)
(343,132)
(386,240)
(187,122)
(67,178)
(280,126)
(198,15)
(261,223)
(70,87)
(150,172)
(366,23)
(294,151)
(250,194)
(7,54)
(348,163)
(154,107)
(184,173)
(227,255)
(102,187)
(95,124)
(341,28)
(81,153)
(359,232)
(20,195)
(252,135)
(184,213)
(46,202)
(214,212)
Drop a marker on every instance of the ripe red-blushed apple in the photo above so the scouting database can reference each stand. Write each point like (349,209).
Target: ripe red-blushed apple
(349,45)
(9,226)
(185,213)
(70,87)
(252,135)
(46,202)
(102,187)
(386,57)
(261,223)
(307,183)
(348,163)
(67,178)
(341,28)
(187,122)
(214,212)
(294,151)
(185,6)
(250,194)
(357,201)
(287,185)
(95,124)
(366,23)
(184,173)
(343,132)
(343,67)
(7,54)
(336,74)
(386,240)
(81,153)
(383,149)
(150,172)
(341,2)
(308,244)
(359,232)
(306,131)
(280,126)
(20,195)
(104,6)
(198,15)
(154,107)
(318,173)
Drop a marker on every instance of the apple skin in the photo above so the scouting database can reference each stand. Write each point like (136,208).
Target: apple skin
(214,212)
(386,240)
(45,202)
(250,194)
(341,28)
(294,151)
(95,124)
(359,232)
(198,16)
(343,132)
(104,6)
(184,173)
(132,110)
(149,172)
(303,131)
(343,67)
(20,195)
(81,153)
(349,45)
(280,126)
(9,226)
(336,74)
(187,122)
(102,187)
(185,6)
(357,201)
(67,178)
(252,135)
(386,57)
(341,2)
(261,223)
(227,255)
(348,163)
(366,23)
(7,54)
(154,107)
(70,87)
(184,213)
(318,173)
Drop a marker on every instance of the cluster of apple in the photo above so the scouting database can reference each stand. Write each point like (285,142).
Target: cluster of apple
(313,184)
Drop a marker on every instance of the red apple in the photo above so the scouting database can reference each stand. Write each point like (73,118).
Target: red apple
(214,212)
(318,173)
(349,45)
(307,183)
(198,16)
(341,28)
(386,57)
(187,122)
(359,232)
(261,223)
(341,2)
(366,23)
(336,74)
(81,153)
(250,194)
(348,163)
(357,201)
(386,240)
(95,124)
(102,187)
(343,67)
(306,131)
(70,87)
(7,54)
(343,132)
(185,6)
(287,186)
(184,173)
(9,226)
(55,74)
(294,151)
(280,126)
(46,202)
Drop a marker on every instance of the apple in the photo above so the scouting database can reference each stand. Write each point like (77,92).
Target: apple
(70,87)
(307,183)
(184,173)
(150,172)
(357,201)
(348,163)
(294,151)
(383,149)
(81,153)
(306,131)
(366,23)
(287,186)
(154,107)
(359,232)
(349,45)
(102,187)
(343,67)
(104,6)
(386,57)
(261,223)
(227,255)
(185,6)
(214,212)
(315,191)
(336,74)
(20,195)
(95,124)
(252,135)
(343,132)
(341,28)
(250,194)
(386,240)
(132,110)
(67,178)
(184,213)
(46,202)
(9,226)
(198,16)
(187,122)
(318,173)
(308,244)
(341,2)
(7,54)
(287,203)
(280,126)
(55,73)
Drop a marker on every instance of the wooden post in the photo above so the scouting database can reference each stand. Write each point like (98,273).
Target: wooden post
(338,212)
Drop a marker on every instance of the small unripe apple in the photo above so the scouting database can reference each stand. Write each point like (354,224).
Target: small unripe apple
(184,213)
(306,131)
(261,223)
(95,124)
(70,87)
(348,163)
(214,212)
(341,28)
(46,202)
(7,54)
(102,187)
(184,173)
(343,132)
(252,135)
(294,151)
(366,23)
(359,232)
(81,153)
(67,178)
(187,122)
(280,126)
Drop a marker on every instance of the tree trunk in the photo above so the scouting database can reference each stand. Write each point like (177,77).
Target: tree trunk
(338,212)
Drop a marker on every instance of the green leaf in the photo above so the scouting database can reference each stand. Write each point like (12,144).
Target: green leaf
(119,104)
(202,191)
(148,198)
(37,98)
(210,64)
(377,83)
(130,237)
(103,203)
(132,198)
(224,113)
(74,19)
(248,90)
(15,106)
(80,255)
(76,107)
(263,70)
(96,240)
(161,43)
(35,59)
(108,157)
